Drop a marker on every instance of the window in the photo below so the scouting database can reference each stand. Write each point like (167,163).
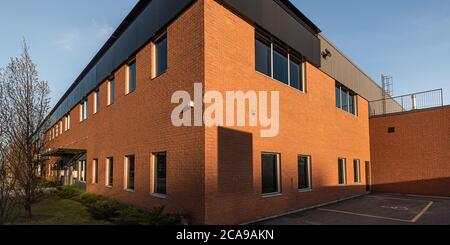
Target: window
(160,173)
(346,99)
(111,92)
(342,169)
(278,63)
(109,172)
(96,101)
(95,171)
(129,171)
(67,122)
(82,171)
(161,56)
(357,170)
(270,173)
(304,173)
(263,57)
(83,110)
(391,130)
(131,77)
(60,127)
(57,131)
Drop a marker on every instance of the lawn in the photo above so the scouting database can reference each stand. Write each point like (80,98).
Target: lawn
(56,211)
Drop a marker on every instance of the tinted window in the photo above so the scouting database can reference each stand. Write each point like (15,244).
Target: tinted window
(280,67)
(357,171)
(97,105)
(270,173)
(263,57)
(304,178)
(111,172)
(338,97)
(296,75)
(161,56)
(112,92)
(351,103)
(132,78)
(342,172)
(131,169)
(95,171)
(344,96)
(161,173)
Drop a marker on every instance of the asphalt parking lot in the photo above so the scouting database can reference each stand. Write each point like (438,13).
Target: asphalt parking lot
(374,209)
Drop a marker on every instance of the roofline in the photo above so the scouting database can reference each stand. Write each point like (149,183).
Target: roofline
(299,14)
(135,12)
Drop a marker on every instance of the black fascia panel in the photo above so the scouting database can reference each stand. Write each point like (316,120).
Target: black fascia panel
(146,19)
(285,22)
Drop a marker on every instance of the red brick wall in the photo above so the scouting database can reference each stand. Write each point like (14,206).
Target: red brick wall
(139,123)
(310,124)
(416,158)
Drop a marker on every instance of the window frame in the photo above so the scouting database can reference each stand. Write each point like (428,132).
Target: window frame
(127,173)
(156,70)
(128,88)
(95,171)
(278,175)
(111,91)
(154,173)
(309,172)
(349,94)
(357,171)
(344,168)
(109,180)
(96,101)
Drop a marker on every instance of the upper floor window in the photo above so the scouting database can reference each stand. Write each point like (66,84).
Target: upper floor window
(96,101)
(67,122)
(346,99)
(111,91)
(83,110)
(61,127)
(276,62)
(161,56)
(131,77)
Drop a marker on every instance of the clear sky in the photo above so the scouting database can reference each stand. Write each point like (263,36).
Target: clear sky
(408,39)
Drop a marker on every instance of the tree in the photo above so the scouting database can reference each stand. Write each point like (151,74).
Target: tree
(26,104)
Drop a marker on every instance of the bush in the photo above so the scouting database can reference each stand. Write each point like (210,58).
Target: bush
(103,208)
(67,192)
(44,183)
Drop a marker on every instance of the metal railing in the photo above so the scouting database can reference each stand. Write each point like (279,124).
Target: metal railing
(404,103)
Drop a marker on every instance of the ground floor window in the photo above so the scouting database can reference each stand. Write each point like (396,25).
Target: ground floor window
(270,173)
(82,171)
(109,172)
(130,170)
(304,173)
(95,171)
(357,170)
(160,173)
(342,171)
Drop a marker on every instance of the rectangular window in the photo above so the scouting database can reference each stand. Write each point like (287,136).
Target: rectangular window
(67,124)
(342,169)
(83,110)
(131,77)
(280,66)
(130,171)
(61,127)
(263,57)
(82,171)
(96,101)
(161,56)
(296,75)
(160,173)
(95,171)
(304,173)
(357,170)
(109,172)
(111,92)
(270,173)
(346,99)
(278,63)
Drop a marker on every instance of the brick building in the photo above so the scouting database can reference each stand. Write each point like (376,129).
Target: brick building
(112,133)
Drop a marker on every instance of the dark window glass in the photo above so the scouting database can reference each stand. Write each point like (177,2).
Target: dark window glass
(342,172)
(161,56)
(112,91)
(391,130)
(270,183)
(84,171)
(304,174)
(351,103)
(280,67)
(132,78)
(263,57)
(344,96)
(161,173)
(111,172)
(338,96)
(98,101)
(296,75)
(131,169)
(357,171)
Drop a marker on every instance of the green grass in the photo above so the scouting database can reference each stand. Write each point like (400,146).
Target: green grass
(56,211)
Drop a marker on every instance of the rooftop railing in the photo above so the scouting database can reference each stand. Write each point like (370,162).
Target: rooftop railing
(405,103)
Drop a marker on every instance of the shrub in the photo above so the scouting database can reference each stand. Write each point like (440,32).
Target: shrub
(67,192)
(104,209)
(89,198)
(158,216)
(44,183)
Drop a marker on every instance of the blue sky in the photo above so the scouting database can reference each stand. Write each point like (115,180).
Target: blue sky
(408,39)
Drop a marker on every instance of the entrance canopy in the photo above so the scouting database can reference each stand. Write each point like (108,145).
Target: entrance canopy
(68,157)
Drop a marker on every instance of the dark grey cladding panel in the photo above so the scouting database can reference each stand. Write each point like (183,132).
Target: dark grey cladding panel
(269,15)
(144,22)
